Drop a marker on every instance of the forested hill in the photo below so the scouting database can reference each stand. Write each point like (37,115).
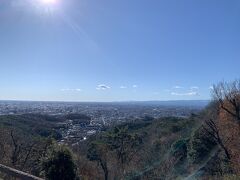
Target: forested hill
(32,124)
(143,149)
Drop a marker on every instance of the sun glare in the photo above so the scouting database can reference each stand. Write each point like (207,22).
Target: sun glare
(49,1)
(47,6)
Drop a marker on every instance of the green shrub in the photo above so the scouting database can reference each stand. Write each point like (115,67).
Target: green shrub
(179,149)
(200,145)
(59,164)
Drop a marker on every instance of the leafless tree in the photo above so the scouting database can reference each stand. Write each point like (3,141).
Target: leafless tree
(228,96)
(16,150)
(21,152)
(211,128)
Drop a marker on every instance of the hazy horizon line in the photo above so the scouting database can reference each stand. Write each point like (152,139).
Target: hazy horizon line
(124,101)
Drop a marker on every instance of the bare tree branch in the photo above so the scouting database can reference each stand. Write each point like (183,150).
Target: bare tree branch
(211,128)
(228,96)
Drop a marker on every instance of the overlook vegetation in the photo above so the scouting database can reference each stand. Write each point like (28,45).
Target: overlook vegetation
(203,146)
(32,124)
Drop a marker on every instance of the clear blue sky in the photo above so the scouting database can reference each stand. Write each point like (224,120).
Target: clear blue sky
(111,50)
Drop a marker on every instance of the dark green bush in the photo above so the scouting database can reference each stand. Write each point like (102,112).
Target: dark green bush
(179,148)
(200,145)
(59,164)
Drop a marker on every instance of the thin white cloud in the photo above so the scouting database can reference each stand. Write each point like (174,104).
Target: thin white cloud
(192,93)
(69,89)
(194,88)
(123,87)
(135,86)
(178,87)
(102,87)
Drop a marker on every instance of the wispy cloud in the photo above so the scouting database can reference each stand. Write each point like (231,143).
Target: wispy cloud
(194,88)
(69,89)
(193,93)
(103,87)
(123,87)
(135,86)
(178,87)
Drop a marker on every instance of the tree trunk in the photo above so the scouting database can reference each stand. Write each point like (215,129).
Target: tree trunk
(105,170)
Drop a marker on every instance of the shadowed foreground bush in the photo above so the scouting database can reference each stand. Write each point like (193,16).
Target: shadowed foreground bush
(59,165)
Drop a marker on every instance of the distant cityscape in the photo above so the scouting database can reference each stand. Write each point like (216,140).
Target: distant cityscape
(82,120)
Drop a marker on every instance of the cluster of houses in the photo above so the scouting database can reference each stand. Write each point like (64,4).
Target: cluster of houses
(77,130)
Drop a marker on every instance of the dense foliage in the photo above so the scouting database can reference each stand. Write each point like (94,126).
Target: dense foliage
(58,164)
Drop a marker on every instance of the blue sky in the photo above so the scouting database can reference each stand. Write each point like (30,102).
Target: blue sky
(117,50)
